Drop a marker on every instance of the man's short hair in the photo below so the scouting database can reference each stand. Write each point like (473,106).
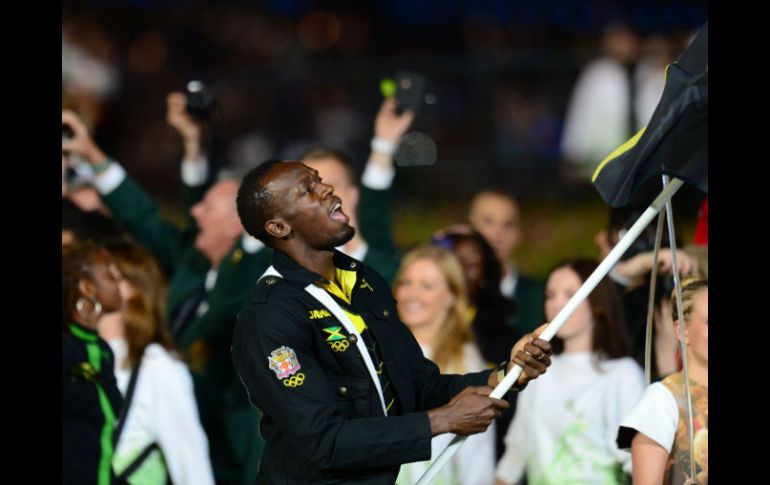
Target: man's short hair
(497,192)
(320,153)
(255,202)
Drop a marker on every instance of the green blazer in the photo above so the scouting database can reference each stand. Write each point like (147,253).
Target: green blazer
(230,422)
(374,220)
(529,300)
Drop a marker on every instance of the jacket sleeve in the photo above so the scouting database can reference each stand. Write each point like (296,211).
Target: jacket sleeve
(136,211)
(432,389)
(518,444)
(303,404)
(374,219)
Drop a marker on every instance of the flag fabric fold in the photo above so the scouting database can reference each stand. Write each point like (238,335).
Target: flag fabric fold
(675,142)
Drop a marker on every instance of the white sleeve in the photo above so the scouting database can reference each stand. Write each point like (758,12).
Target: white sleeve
(593,122)
(377,177)
(511,466)
(655,416)
(194,172)
(109,180)
(177,426)
(475,460)
(578,119)
(628,387)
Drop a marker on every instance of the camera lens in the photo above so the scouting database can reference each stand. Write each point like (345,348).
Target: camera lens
(200,101)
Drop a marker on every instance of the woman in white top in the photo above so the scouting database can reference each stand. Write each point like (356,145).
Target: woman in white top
(565,422)
(656,430)
(433,303)
(163,408)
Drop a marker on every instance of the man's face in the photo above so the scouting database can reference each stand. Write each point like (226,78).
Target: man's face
(333,173)
(217,218)
(308,206)
(497,219)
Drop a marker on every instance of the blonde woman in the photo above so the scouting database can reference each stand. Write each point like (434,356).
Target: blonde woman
(656,430)
(433,303)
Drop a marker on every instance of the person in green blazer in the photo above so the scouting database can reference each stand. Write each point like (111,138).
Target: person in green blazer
(495,214)
(212,266)
(369,205)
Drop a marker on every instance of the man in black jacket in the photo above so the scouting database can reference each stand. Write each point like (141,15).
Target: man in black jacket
(344,389)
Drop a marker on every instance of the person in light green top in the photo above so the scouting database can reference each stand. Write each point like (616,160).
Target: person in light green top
(161,437)
(565,423)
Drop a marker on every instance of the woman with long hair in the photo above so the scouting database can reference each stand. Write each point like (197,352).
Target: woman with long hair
(90,397)
(492,315)
(161,435)
(433,303)
(565,423)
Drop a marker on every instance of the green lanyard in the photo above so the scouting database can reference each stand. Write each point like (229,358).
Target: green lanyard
(105,438)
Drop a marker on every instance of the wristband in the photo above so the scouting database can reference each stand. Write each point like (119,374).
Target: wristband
(383,146)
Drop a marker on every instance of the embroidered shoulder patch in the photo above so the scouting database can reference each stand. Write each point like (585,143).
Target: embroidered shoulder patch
(283,361)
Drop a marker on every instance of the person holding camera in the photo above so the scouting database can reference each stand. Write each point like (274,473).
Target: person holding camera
(211,266)
(370,203)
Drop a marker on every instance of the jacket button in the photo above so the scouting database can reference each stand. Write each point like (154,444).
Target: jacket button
(352,265)
(342,391)
(386,313)
(353,339)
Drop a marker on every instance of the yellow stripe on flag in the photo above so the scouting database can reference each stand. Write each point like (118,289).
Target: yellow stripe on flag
(631,143)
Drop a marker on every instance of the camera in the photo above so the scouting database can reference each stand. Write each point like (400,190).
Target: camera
(201,102)
(410,90)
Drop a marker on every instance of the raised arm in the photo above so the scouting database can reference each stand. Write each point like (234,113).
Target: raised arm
(130,204)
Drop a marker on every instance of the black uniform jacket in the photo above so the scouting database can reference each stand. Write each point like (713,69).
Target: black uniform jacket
(83,418)
(322,417)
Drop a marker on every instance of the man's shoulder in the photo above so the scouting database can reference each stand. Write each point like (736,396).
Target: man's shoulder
(240,263)
(274,306)
(377,280)
(271,290)
(383,264)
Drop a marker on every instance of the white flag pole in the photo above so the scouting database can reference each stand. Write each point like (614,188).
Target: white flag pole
(680,315)
(600,272)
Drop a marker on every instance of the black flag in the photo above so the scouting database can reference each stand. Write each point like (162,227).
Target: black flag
(675,142)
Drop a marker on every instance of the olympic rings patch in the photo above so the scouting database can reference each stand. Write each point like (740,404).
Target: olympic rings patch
(339,345)
(295,381)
